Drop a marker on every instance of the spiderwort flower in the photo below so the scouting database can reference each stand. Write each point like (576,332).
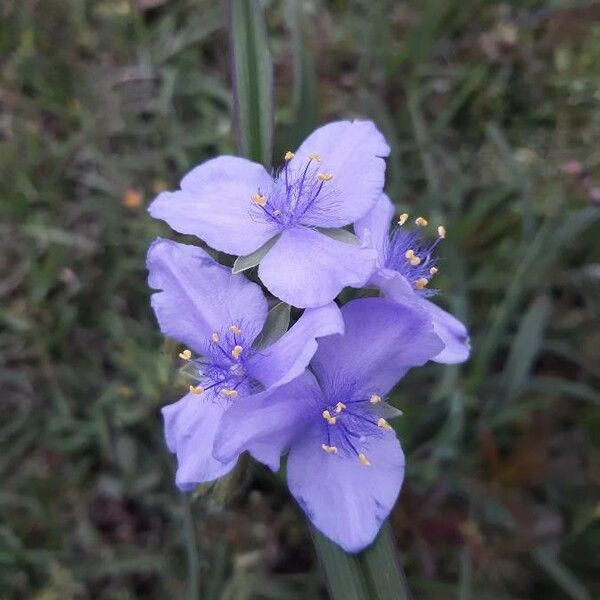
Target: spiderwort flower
(406,264)
(345,464)
(235,206)
(219,316)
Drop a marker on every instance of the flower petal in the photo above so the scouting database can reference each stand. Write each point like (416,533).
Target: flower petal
(345,500)
(373,229)
(215,204)
(382,341)
(190,428)
(353,152)
(290,354)
(199,296)
(266,424)
(452,333)
(450,330)
(306,268)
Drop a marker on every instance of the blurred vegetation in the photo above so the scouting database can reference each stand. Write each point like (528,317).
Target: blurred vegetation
(492,110)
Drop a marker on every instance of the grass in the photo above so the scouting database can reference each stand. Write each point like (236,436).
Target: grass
(491,110)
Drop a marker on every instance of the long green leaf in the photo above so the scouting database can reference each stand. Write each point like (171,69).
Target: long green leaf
(382,568)
(373,574)
(304,91)
(343,573)
(252,72)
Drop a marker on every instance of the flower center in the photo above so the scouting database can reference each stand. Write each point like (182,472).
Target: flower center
(299,191)
(349,425)
(221,368)
(408,253)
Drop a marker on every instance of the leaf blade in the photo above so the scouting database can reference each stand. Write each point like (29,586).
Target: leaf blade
(252,73)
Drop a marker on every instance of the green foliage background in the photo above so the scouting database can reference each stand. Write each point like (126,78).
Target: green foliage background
(492,110)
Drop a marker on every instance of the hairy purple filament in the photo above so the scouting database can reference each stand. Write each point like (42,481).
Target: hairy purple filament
(350,420)
(296,196)
(222,368)
(401,242)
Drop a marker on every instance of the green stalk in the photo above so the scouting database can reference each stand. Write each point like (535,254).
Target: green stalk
(375,573)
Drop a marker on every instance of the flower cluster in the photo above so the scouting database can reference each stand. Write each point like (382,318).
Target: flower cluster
(317,390)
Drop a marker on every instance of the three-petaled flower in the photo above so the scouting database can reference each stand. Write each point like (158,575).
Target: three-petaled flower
(345,464)
(219,317)
(237,207)
(405,265)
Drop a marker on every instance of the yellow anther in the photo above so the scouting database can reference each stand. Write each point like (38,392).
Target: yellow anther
(409,254)
(364,460)
(289,155)
(375,398)
(433,270)
(415,261)
(258,199)
(421,222)
(421,283)
(442,231)
(329,449)
(235,329)
(237,350)
(327,416)
(339,407)
(315,157)
(230,393)
(324,176)
(383,424)
(196,389)
(403,218)
(215,337)
(185,355)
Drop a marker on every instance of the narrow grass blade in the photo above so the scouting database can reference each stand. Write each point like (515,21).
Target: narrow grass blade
(252,73)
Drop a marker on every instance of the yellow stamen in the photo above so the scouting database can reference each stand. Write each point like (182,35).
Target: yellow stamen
(237,350)
(230,393)
(375,398)
(329,449)
(421,222)
(215,337)
(415,261)
(403,218)
(196,389)
(421,283)
(442,231)
(289,155)
(235,329)
(185,355)
(324,176)
(409,254)
(383,424)
(315,157)
(433,270)
(260,200)
(327,416)
(364,460)
(339,407)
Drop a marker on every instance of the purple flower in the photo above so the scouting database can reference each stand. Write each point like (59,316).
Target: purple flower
(219,316)
(237,207)
(406,264)
(345,464)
